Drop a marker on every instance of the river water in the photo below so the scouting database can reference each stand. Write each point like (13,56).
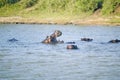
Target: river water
(29,59)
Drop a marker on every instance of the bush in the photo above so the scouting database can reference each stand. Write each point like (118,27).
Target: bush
(30,3)
(12,1)
(4,2)
(53,5)
(109,6)
(87,5)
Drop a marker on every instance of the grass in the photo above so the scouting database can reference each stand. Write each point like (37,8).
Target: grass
(60,10)
(10,10)
(43,7)
(115,20)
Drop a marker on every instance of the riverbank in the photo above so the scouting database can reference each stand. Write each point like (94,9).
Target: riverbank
(97,12)
(92,20)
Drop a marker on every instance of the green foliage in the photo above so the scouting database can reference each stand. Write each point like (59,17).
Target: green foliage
(73,6)
(109,6)
(69,7)
(53,5)
(2,3)
(86,5)
(12,1)
(30,3)
(5,2)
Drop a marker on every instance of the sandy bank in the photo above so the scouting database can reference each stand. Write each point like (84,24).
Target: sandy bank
(86,21)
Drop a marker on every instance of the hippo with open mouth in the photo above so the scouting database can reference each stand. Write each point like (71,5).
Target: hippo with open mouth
(53,38)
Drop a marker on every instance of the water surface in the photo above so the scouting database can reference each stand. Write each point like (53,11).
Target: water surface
(29,59)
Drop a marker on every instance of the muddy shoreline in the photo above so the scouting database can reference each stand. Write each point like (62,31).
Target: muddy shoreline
(86,21)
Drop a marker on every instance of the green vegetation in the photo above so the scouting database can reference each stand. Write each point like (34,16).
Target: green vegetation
(63,6)
(5,2)
(109,6)
(59,8)
(30,3)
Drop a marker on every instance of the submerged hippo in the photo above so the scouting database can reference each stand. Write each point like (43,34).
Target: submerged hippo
(12,40)
(70,42)
(86,39)
(114,41)
(53,38)
(72,47)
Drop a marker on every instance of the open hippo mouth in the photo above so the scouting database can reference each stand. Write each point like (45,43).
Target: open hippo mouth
(53,37)
(57,33)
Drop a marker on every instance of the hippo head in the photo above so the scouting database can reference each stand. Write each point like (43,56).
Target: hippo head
(57,33)
(53,37)
(72,47)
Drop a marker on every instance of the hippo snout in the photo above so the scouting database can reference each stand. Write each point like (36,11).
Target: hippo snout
(72,47)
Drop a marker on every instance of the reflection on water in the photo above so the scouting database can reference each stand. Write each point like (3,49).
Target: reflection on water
(28,59)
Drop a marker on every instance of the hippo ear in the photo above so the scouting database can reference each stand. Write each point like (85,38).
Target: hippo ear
(58,33)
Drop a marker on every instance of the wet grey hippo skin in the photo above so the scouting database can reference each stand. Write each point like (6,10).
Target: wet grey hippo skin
(86,39)
(12,40)
(114,41)
(70,42)
(53,38)
(72,47)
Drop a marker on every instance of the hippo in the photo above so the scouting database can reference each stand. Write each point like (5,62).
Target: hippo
(70,42)
(12,40)
(114,41)
(86,39)
(53,38)
(72,47)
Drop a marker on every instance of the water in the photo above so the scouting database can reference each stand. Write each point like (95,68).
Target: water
(28,59)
